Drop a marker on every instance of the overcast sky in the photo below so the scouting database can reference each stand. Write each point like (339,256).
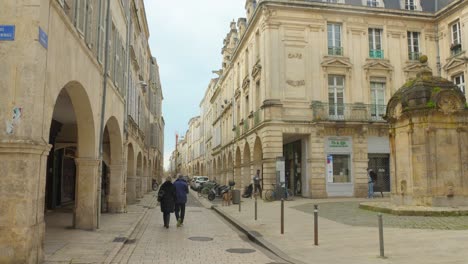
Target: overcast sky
(186,37)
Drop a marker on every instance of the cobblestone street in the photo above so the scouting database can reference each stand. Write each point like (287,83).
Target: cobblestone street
(152,243)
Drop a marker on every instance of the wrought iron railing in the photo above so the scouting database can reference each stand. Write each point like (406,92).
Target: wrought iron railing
(246,126)
(455,49)
(348,112)
(257,117)
(376,54)
(335,51)
(414,56)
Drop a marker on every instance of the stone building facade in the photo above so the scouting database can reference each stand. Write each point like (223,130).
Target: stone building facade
(308,82)
(73,138)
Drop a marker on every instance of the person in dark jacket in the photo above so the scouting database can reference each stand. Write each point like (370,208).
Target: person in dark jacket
(181,199)
(167,198)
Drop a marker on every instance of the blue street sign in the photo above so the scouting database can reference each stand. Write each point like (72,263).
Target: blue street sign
(43,38)
(7,32)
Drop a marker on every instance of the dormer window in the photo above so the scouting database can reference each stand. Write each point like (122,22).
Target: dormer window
(334,1)
(411,5)
(373,3)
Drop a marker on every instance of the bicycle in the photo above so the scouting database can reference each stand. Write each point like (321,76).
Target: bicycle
(277,193)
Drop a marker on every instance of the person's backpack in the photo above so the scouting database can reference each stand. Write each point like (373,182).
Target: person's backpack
(373,176)
(160,195)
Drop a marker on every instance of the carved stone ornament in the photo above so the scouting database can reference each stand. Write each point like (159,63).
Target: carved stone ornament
(397,111)
(296,83)
(449,103)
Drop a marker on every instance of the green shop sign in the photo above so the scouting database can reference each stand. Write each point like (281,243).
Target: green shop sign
(338,143)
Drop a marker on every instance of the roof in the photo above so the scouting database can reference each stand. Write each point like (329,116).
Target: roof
(427,5)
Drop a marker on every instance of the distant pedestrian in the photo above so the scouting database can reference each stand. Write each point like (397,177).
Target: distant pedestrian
(181,199)
(167,198)
(372,178)
(256,183)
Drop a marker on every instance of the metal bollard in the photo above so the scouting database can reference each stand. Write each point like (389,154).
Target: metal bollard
(315,224)
(381,239)
(255,208)
(282,216)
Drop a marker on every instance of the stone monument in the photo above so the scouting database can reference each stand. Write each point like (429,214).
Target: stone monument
(428,130)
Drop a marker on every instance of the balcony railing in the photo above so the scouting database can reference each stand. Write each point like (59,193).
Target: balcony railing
(455,49)
(246,126)
(237,131)
(376,54)
(257,117)
(335,51)
(414,56)
(347,112)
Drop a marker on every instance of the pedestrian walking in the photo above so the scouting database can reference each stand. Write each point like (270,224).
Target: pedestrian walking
(372,177)
(167,198)
(256,183)
(182,190)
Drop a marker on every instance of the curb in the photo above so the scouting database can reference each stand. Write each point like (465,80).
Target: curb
(119,245)
(256,238)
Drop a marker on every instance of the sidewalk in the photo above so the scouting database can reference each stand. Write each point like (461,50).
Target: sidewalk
(64,245)
(342,243)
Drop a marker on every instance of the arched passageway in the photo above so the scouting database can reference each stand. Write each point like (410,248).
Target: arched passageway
(238,169)
(112,178)
(131,175)
(139,172)
(72,166)
(246,172)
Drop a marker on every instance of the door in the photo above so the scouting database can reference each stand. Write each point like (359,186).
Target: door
(380,163)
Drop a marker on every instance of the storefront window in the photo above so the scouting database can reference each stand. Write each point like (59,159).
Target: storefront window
(338,168)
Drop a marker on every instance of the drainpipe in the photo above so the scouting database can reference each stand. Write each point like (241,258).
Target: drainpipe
(437,41)
(103,108)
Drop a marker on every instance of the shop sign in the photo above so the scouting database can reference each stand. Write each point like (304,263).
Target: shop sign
(7,32)
(329,168)
(332,143)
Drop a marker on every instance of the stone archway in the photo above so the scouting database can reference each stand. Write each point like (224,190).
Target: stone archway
(131,175)
(139,172)
(144,177)
(218,175)
(73,164)
(257,156)
(112,193)
(246,172)
(230,168)
(238,169)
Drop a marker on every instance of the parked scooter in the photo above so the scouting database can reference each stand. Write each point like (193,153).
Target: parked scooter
(248,191)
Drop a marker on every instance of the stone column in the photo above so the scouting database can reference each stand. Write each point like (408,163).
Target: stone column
(22,197)
(117,190)
(273,148)
(86,193)
(317,163)
(131,189)
(144,184)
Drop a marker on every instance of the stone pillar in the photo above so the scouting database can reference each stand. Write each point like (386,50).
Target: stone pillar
(144,184)
(86,193)
(273,148)
(131,189)
(117,190)
(22,197)
(317,164)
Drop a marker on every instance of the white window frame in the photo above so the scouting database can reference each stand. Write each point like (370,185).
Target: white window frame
(336,108)
(334,1)
(101,30)
(370,3)
(412,48)
(408,4)
(373,43)
(80,16)
(455,32)
(334,42)
(459,80)
(377,97)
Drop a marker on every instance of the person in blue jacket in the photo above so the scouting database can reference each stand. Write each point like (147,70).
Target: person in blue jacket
(181,199)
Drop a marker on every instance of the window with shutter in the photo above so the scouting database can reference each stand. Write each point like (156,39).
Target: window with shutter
(89,24)
(101,30)
(80,16)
